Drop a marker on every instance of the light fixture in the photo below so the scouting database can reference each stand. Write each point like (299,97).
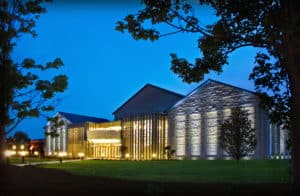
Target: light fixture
(81,155)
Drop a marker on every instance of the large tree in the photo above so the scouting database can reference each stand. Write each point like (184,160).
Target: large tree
(237,137)
(23,93)
(273,25)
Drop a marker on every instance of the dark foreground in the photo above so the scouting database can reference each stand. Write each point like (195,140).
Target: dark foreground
(38,181)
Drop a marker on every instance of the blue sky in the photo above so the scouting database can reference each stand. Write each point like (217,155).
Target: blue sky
(106,67)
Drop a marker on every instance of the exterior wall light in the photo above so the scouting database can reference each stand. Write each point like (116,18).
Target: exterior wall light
(81,155)
(154,156)
(127,156)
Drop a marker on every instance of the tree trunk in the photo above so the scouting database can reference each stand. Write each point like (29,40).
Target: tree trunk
(2,141)
(295,132)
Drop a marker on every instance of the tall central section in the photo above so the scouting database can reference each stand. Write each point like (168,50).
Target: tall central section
(144,122)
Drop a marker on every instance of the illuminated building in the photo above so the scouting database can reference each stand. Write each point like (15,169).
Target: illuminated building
(145,122)
(155,119)
(195,120)
(57,141)
(36,146)
(95,140)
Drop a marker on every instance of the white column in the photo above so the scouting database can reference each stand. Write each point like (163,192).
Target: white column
(180,135)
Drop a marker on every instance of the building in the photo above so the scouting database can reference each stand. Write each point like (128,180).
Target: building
(36,147)
(195,120)
(95,140)
(58,142)
(144,120)
(155,119)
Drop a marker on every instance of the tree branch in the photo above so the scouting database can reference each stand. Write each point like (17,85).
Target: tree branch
(171,33)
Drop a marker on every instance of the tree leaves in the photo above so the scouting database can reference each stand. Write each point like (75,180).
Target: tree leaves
(237,137)
(23,93)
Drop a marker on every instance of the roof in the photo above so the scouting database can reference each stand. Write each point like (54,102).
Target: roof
(76,118)
(149,99)
(204,84)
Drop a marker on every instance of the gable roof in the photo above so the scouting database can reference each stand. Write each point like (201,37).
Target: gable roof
(206,83)
(148,100)
(76,118)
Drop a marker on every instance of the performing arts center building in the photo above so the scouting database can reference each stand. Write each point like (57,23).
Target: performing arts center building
(155,118)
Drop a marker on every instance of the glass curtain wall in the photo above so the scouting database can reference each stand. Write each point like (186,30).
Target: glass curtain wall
(145,137)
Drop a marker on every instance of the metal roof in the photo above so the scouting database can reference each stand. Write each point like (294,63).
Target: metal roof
(148,100)
(76,118)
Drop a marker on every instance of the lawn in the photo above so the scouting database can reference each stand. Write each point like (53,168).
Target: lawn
(210,171)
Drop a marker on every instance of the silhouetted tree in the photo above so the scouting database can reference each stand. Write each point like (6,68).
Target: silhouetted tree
(21,137)
(169,152)
(237,138)
(22,91)
(272,25)
(123,150)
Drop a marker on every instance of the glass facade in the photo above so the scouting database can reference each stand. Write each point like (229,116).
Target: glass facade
(145,137)
(76,141)
(104,140)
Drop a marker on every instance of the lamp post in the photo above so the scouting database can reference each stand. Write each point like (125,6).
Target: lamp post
(61,155)
(8,154)
(23,154)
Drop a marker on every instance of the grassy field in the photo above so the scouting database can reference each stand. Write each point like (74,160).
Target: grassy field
(250,171)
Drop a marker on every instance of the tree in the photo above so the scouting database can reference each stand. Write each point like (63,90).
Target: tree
(18,139)
(123,151)
(169,152)
(21,137)
(23,93)
(237,138)
(270,25)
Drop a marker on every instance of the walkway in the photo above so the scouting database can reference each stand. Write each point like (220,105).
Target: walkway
(43,162)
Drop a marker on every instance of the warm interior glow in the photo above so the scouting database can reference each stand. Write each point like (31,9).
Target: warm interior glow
(127,155)
(36,153)
(9,153)
(81,154)
(114,128)
(62,154)
(14,147)
(23,153)
(105,141)
(22,147)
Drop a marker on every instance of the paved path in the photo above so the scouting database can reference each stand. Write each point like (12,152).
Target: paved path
(43,162)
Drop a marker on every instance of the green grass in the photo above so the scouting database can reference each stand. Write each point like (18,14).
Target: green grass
(214,171)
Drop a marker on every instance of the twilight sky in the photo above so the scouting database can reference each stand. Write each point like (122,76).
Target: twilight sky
(106,67)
